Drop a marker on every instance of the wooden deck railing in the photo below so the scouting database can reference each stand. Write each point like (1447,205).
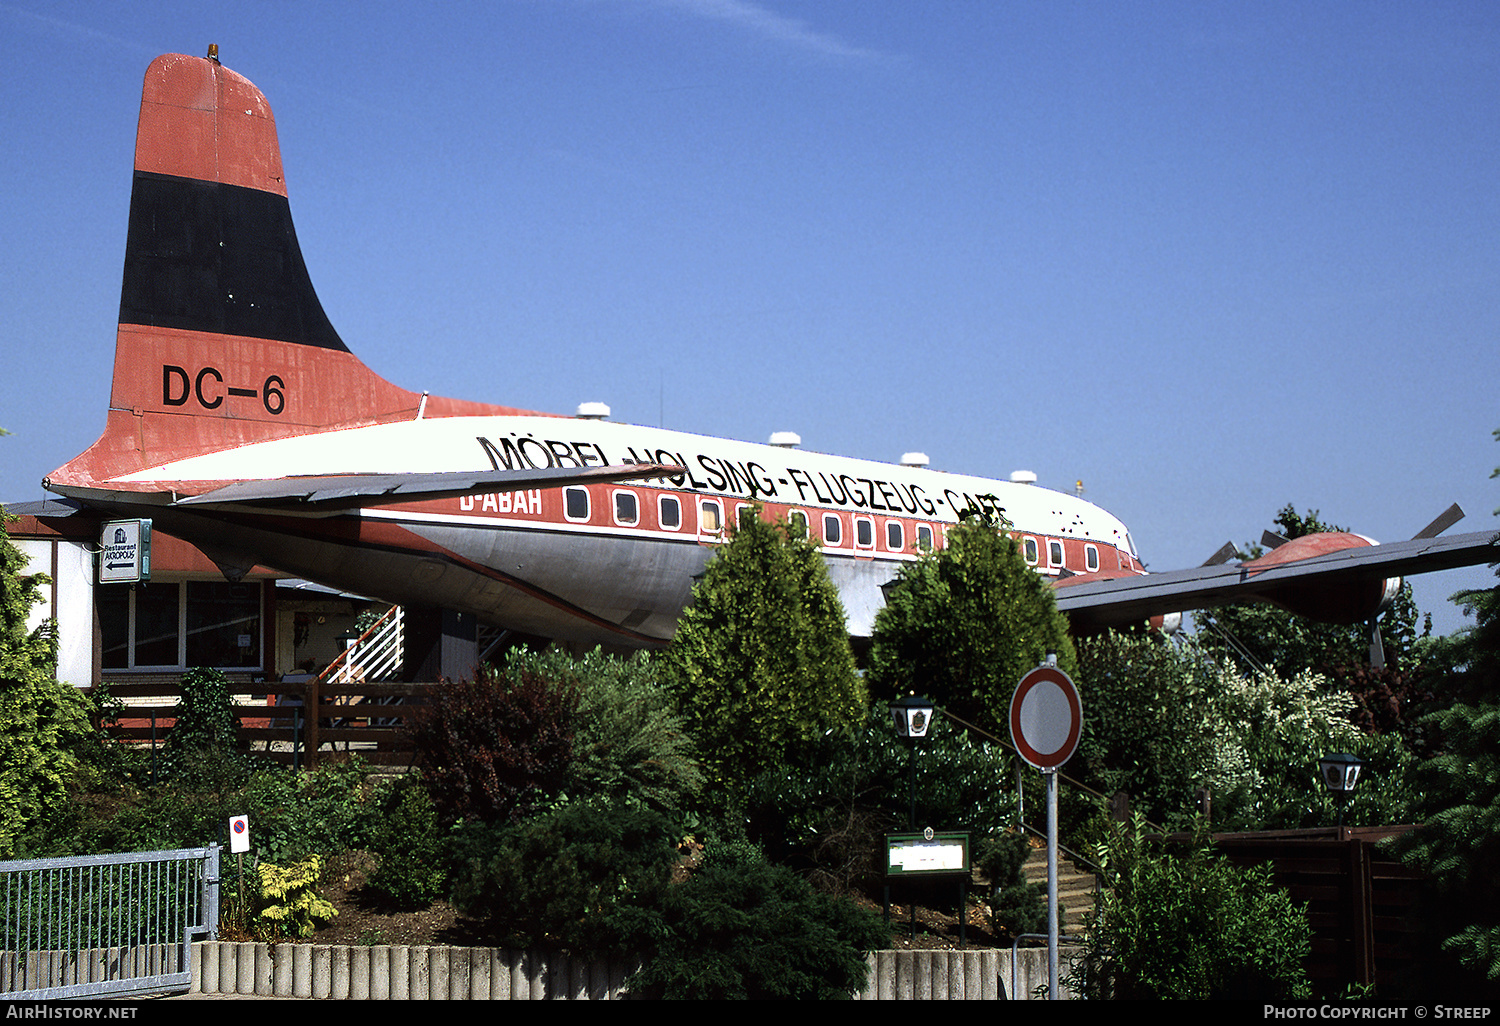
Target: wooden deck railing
(275,719)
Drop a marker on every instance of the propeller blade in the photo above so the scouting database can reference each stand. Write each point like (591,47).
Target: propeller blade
(1226,552)
(1450,516)
(1377,648)
(1272,541)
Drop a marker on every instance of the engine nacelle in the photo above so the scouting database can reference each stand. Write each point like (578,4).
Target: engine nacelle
(1355,602)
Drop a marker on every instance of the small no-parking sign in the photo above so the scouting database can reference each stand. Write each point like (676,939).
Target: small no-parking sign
(239,834)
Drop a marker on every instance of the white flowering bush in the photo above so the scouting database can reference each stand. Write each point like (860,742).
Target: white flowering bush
(1268,735)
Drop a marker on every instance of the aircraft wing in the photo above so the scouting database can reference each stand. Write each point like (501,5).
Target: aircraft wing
(342,492)
(1118,601)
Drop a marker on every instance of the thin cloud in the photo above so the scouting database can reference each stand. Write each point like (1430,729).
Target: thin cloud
(776,27)
(72,31)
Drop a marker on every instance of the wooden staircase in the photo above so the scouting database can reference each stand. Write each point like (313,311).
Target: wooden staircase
(1075,888)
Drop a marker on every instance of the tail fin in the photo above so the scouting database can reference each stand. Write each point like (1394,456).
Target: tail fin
(222,340)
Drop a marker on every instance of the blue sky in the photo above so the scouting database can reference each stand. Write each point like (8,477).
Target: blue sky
(1207,258)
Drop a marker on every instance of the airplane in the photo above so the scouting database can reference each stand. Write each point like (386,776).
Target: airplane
(240,421)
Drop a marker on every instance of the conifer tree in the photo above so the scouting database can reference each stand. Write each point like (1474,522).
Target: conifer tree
(40,719)
(25,652)
(761,661)
(964,623)
(1458,843)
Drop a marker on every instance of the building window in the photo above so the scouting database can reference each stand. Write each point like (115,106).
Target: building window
(175,625)
(798,522)
(1090,558)
(864,532)
(924,537)
(895,537)
(222,624)
(1030,550)
(1055,553)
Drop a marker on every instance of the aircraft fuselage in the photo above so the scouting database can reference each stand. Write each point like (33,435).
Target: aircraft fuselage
(598,563)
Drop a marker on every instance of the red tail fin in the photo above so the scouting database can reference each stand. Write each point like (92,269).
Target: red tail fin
(222,340)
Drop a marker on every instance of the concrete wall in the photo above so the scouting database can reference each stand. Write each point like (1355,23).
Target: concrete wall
(400,972)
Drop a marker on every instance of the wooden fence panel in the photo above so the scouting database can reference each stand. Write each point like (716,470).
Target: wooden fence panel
(274,723)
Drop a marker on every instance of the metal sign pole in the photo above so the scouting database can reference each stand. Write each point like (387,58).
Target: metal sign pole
(1046,720)
(1052,931)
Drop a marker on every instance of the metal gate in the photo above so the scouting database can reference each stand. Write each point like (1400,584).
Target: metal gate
(105,925)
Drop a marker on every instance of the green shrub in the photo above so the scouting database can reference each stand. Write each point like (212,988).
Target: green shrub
(405,835)
(629,742)
(753,930)
(1190,925)
(42,723)
(201,749)
(1457,845)
(731,852)
(292,815)
(560,880)
(289,905)
(1016,907)
(829,809)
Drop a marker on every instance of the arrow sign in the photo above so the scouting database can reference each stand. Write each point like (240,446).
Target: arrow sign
(1046,718)
(125,552)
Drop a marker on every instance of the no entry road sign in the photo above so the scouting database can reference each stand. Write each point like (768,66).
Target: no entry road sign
(1046,717)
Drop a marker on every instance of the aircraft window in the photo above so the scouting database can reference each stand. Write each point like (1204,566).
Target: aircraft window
(576,503)
(895,537)
(798,521)
(710,516)
(627,511)
(833,529)
(1054,553)
(669,513)
(864,532)
(1091,558)
(744,513)
(1030,550)
(924,536)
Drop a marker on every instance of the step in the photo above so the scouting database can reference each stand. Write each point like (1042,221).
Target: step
(1075,887)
